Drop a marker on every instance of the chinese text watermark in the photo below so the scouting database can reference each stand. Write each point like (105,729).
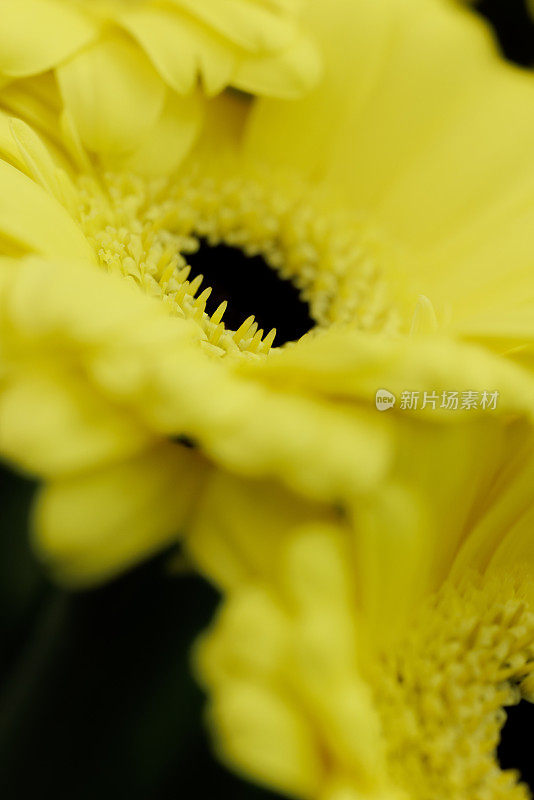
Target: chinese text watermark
(434,400)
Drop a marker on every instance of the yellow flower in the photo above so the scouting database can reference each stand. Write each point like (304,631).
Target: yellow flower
(371,657)
(123,67)
(394,198)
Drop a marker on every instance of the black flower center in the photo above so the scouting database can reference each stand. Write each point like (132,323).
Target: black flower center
(514,28)
(250,286)
(515,748)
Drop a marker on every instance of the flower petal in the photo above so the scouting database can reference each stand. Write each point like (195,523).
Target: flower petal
(352,38)
(407,533)
(248,24)
(288,74)
(220,539)
(504,522)
(53,423)
(9,151)
(36,35)
(37,101)
(170,139)
(352,365)
(113,93)
(181,49)
(222,132)
(262,733)
(35,222)
(152,363)
(92,525)
(39,165)
(167,42)
(437,156)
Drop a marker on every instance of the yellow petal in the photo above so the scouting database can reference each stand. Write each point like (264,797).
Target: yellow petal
(222,133)
(438,158)
(352,38)
(113,93)
(49,305)
(217,59)
(503,521)
(52,423)
(316,572)
(350,365)
(173,387)
(37,101)
(183,49)
(315,446)
(150,362)
(241,526)
(265,737)
(514,556)
(246,23)
(347,789)
(288,74)
(36,222)
(170,139)
(408,533)
(250,638)
(8,147)
(166,39)
(36,35)
(377,109)
(40,165)
(92,525)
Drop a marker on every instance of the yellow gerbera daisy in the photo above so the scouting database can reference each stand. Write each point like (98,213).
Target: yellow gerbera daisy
(395,199)
(372,657)
(124,67)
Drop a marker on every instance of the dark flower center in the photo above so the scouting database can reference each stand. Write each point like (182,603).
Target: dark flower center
(515,748)
(250,286)
(514,28)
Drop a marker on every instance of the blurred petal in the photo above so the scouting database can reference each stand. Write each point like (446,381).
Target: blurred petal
(266,738)
(251,651)
(248,24)
(183,49)
(222,133)
(36,35)
(92,525)
(165,38)
(420,126)
(241,526)
(113,93)
(53,423)
(349,365)
(37,101)
(171,138)
(36,222)
(287,75)
(503,528)
(8,147)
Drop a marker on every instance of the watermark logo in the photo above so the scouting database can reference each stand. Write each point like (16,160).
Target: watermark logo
(449,401)
(384,400)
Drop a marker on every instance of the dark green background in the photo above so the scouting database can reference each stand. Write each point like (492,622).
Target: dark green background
(96,696)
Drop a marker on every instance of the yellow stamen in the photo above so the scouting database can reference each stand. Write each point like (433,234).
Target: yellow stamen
(145,231)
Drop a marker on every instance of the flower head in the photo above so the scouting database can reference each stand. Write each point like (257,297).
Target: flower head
(373,656)
(113,359)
